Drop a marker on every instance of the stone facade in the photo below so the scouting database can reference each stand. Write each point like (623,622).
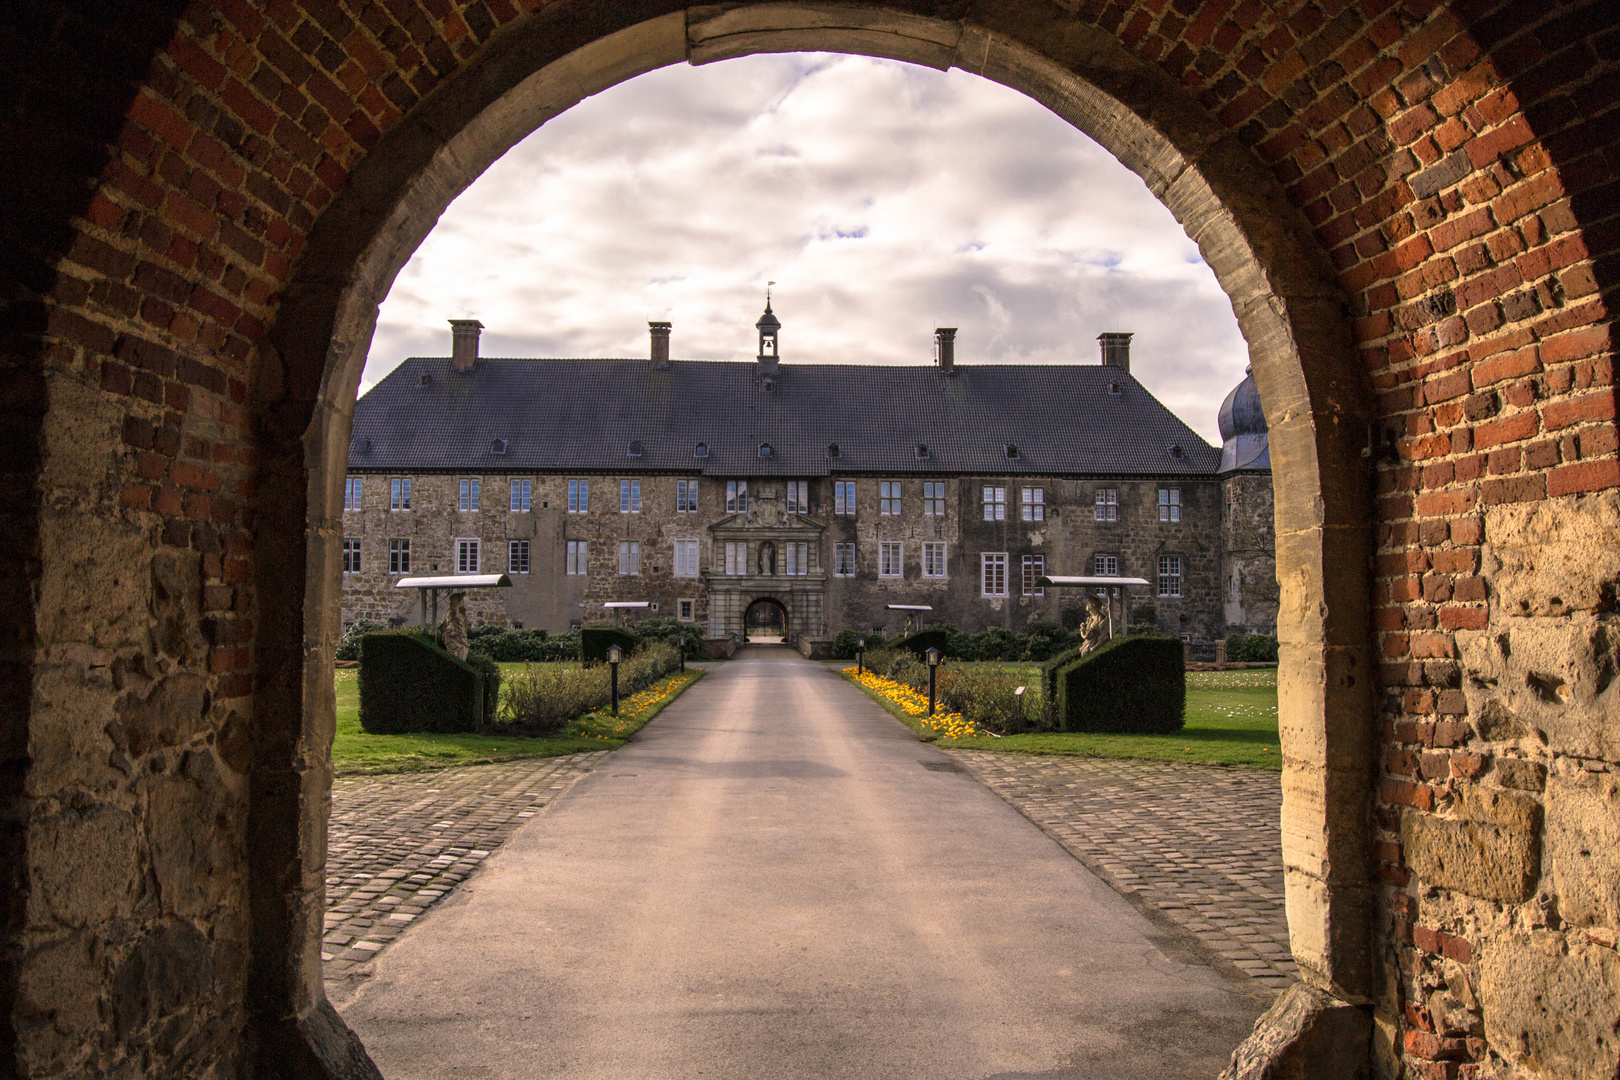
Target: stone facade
(1249,553)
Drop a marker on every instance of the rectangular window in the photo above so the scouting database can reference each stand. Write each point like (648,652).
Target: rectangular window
(736,557)
(798,558)
(629,557)
(1105,565)
(1169,504)
(1169,575)
(934,559)
(995,504)
(521,490)
(889,497)
(686,496)
(579,496)
(1034,567)
(736,496)
(466,556)
(517,556)
(686,559)
(995,573)
(351,556)
(934,498)
(629,496)
(576,556)
(889,552)
(686,607)
(798,497)
(351,493)
(843,560)
(1033,501)
(844,497)
(1107,504)
(469,495)
(399,556)
(399,493)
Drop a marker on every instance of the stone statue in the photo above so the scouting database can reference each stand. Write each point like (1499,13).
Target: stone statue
(1094,631)
(455,626)
(767,558)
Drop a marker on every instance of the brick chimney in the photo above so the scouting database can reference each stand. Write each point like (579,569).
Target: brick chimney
(464,343)
(660,343)
(1116,350)
(945,348)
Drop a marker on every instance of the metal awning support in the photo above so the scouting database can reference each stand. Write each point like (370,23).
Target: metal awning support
(617,606)
(913,613)
(428,588)
(1058,581)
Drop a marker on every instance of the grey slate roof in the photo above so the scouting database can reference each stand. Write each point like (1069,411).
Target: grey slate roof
(582,415)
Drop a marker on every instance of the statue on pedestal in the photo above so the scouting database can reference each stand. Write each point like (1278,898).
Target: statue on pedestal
(455,626)
(1094,631)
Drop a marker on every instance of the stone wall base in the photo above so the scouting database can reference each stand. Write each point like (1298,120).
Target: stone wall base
(1307,1034)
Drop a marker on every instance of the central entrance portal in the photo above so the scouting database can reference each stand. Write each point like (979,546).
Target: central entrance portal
(766,621)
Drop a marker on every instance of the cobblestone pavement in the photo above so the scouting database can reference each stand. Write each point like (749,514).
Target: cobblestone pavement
(1195,847)
(398,843)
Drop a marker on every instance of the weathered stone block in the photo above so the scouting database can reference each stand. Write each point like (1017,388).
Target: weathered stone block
(1583,837)
(1554,557)
(1552,1006)
(86,864)
(1492,851)
(1307,1034)
(1553,678)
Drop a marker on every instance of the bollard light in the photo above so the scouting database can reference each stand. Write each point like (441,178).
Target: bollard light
(933,669)
(860,656)
(615,654)
(683,655)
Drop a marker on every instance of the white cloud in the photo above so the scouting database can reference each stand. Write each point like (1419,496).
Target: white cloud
(884,199)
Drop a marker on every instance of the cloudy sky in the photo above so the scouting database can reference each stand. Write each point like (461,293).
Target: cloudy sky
(883,199)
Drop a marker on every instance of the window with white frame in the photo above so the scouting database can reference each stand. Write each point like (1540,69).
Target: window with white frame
(889,497)
(686,558)
(994,566)
(736,496)
(629,557)
(629,496)
(517,556)
(351,556)
(686,496)
(1169,504)
(1034,567)
(995,504)
(576,557)
(1169,575)
(399,493)
(934,558)
(844,497)
(798,558)
(798,496)
(521,491)
(736,557)
(469,495)
(579,496)
(1033,502)
(934,498)
(1105,565)
(466,556)
(889,553)
(399,556)
(1107,504)
(685,609)
(843,560)
(351,493)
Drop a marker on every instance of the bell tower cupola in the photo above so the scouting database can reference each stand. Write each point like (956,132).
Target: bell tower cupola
(768,326)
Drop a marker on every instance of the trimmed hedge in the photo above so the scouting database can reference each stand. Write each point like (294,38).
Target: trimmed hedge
(409,683)
(1130,686)
(348,647)
(919,643)
(845,642)
(1252,648)
(594,642)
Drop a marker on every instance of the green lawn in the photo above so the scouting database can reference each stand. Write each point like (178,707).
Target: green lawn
(355,753)
(1231,720)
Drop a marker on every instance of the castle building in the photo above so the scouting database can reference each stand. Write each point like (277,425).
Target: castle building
(826,491)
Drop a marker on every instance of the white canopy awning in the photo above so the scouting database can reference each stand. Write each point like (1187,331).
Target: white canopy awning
(1057,582)
(911,607)
(456,581)
(625,603)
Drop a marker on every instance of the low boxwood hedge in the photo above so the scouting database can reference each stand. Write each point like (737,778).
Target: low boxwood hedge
(1130,686)
(1252,648)
(919,643)
(594,642)
(409,683)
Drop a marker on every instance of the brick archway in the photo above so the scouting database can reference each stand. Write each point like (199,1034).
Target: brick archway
(1411,205)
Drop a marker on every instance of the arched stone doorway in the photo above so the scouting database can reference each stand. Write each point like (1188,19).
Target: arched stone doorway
(1417,195)
(769,616)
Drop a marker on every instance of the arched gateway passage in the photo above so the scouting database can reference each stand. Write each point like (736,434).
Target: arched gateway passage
(768,615)
(1411,206)
(1282,289)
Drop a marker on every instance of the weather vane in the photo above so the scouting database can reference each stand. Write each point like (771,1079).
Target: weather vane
(768,285)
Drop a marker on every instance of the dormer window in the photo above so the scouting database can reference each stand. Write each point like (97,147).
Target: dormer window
(701,450)
(1012,451)
(423,379)
(1113,388)
(833,450)
(922,450)
(497,446)
(360,446)
(635,448)
(766,450)
(1176,451)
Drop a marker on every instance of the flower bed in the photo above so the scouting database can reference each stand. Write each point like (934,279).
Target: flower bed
(634,711)
(914,705)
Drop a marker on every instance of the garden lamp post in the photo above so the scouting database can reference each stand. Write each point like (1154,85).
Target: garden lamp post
(615,654)
(683,654)
(860,656)
(933,669)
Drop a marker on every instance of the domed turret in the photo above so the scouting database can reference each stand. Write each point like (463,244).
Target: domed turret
(1244,444)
